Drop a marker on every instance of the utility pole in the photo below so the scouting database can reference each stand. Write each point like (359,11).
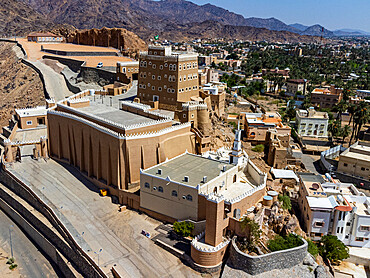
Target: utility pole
(98,253)
(11,244)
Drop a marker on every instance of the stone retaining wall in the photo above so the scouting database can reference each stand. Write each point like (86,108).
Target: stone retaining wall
(95,75)
(67,246)
(74,65)
(40,240)
(258,264)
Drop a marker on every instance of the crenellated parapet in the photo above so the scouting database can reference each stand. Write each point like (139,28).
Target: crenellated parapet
(193,105)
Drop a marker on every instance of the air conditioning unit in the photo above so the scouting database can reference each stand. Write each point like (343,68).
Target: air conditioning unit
(159,171)
(204,179)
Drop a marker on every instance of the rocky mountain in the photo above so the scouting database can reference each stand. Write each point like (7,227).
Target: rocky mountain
(269,23)
(18,18)
(213,29)
(171,19)
(350,32)
(299,26)
(317,30)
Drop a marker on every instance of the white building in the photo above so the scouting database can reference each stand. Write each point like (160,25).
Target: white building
(334,208)
(312,123)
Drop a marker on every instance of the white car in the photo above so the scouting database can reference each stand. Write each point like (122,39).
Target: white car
(100,65)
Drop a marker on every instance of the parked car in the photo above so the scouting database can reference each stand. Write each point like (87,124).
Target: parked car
(100,65)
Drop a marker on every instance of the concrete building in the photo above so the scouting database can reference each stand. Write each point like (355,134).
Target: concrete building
(363,93)
(326,98)
(280,152)
(127,71)
(283,73)
(296,85)
(355,161)
(46,37)
(111,145)
(167,77)
(204,60)
(311,123)
(334,208)
(208,75)
(31,117)
(257,125)
(214,95)
(211,193)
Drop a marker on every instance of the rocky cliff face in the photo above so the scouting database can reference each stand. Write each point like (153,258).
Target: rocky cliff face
(119,38)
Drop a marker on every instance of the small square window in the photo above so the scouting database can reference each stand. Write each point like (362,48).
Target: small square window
(29,122)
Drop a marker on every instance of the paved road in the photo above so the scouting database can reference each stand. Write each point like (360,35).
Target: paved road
(30,260)
(312,163)
(96,223)
(54,82)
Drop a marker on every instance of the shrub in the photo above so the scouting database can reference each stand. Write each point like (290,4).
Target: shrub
(183,228)
(286,204)
(332,249)
(12,266)
(284,242)
(258,148)
(312,248)
(253,228)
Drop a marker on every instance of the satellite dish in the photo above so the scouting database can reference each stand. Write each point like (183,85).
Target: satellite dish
(315,186)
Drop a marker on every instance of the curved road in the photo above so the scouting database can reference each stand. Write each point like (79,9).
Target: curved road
(31,262)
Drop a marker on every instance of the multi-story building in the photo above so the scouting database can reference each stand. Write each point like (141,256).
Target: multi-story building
(167,77)
(256,126)
(214,194)
(334,208)
(355,161)
(208,75)
(214,95)
(280,152)
(296,85)
(127,72)
(326,97)
(312,123)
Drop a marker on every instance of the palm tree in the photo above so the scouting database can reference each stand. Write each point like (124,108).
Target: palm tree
(346,130)
(340,108)
(360,118)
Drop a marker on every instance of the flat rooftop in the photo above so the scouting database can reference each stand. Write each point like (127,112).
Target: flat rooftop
(317,202)
(114,114)
(193,166)
(78,47)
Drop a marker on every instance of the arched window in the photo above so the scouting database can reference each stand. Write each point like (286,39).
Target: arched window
(160,189)
(252,133)
(189,197)
(174,193)
(147,185)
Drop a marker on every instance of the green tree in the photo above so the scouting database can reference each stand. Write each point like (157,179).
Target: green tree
(285,200)
(284,242)
(253,229)
(258,148)
(183,228)
(312,248)
(332,249)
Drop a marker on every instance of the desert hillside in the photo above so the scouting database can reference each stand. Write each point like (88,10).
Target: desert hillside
(20,86)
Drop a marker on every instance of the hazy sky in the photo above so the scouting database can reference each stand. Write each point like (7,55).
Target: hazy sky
(332,14)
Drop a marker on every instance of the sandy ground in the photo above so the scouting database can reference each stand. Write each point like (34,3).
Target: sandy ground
(34,53)
(5,272)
